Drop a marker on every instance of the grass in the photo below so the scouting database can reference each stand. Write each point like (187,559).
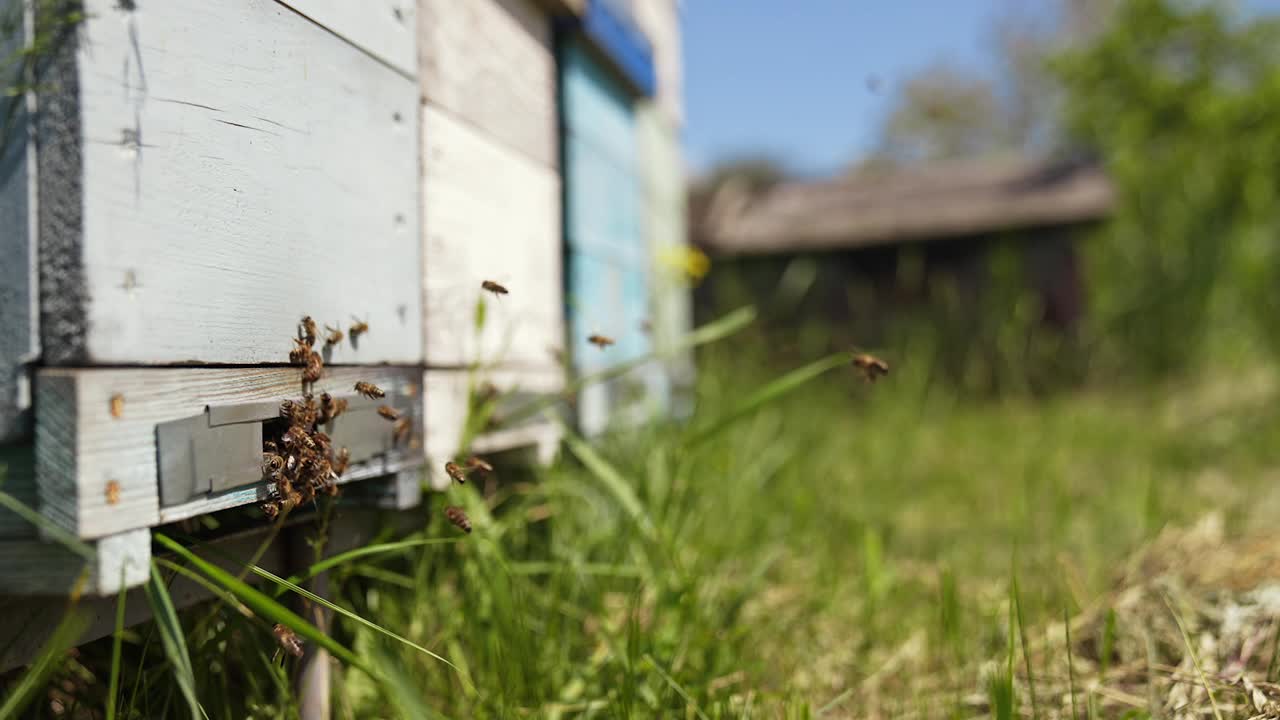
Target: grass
(840,550)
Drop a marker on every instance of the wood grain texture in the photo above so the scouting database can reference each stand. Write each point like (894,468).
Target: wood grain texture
(81,447)
(488,214)
(31,567)
(242,167)
(490,64)
(19,329)
(660,22)
(386,29)
(446,412)
(18,478)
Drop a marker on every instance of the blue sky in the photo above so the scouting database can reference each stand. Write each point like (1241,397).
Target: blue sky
(789,78)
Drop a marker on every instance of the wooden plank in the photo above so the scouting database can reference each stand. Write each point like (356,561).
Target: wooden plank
(18,478)
(660,22)
(81,447)
(241,167)
(488,214)
(19,329)
(44,567)
(490,64)
(386,29)
(446,405)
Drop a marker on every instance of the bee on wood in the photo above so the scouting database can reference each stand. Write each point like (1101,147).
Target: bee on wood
(369,390)
(322,441)
(493,287)
(271,509)
(455,471)
(475,463)
(330,408)
(358,327)
(297,437)
(113,492)
(295,412)
(270,446)
(334,337)
(400,431)
(600,341)
(388,412)
(314,368)
(341,461)
(458,518)
(870,366)
(298,355)
(309,331)
(288,640)
(117,406)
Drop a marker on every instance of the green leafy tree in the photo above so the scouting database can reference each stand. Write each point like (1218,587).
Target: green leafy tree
(1182,101)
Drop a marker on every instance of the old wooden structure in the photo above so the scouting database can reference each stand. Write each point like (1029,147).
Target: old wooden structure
(185,181)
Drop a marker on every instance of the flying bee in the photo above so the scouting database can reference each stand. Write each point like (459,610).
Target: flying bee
(309,331)
(330,408)
(455,471)
(475,463)
(288,640)
(458,517)
(370,390)
(358,327)
(334,337)
(113,492)
(493,287)
(870,366)
(388,412)
(646,326)
(401,429)
(600,341)
(314,368)
(341,461)
(298,355)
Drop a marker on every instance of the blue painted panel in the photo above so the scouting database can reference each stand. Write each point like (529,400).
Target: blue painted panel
(608,26)
(594,105)
(603,209)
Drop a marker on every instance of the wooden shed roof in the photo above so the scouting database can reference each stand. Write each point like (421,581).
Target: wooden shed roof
(953,199)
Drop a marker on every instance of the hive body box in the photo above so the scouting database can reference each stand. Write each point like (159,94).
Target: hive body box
(200,176)
(491,211)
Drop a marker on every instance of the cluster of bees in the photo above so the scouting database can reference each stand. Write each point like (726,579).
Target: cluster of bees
(301,462)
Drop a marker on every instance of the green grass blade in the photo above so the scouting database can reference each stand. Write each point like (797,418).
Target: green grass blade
(609,476)
(260,603)
(346,613)
(223,595)
(379,549)
(72,625)
(709,333)
(676,686)
(70,541)
(769,392)
(117,641)
(1195,659)
(1022,638)
(174,640)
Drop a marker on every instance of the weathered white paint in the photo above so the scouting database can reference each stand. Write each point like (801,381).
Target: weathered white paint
(386,29)
(47,567)
(659,20)
(490,64)
(243,167)
(19,330)
(445,410)
(81,447)
(488,214)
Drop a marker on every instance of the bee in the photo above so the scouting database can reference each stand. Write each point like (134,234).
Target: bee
(272,465)
(475,463)
(330,408)
(370,390)
(322,441)
(646,326)
(388,412)
(600,341)
(358,327)
(314,368)
(458,518)
(486,392)
(295,437)
(334,337)
(288,640)
(113,492)
(270,446)
(117,405)
(870,366)
(271,509)
(493,287)
(298,355)
(401,429)
(455,471)
(341,461)
(556,354)
(309,331)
